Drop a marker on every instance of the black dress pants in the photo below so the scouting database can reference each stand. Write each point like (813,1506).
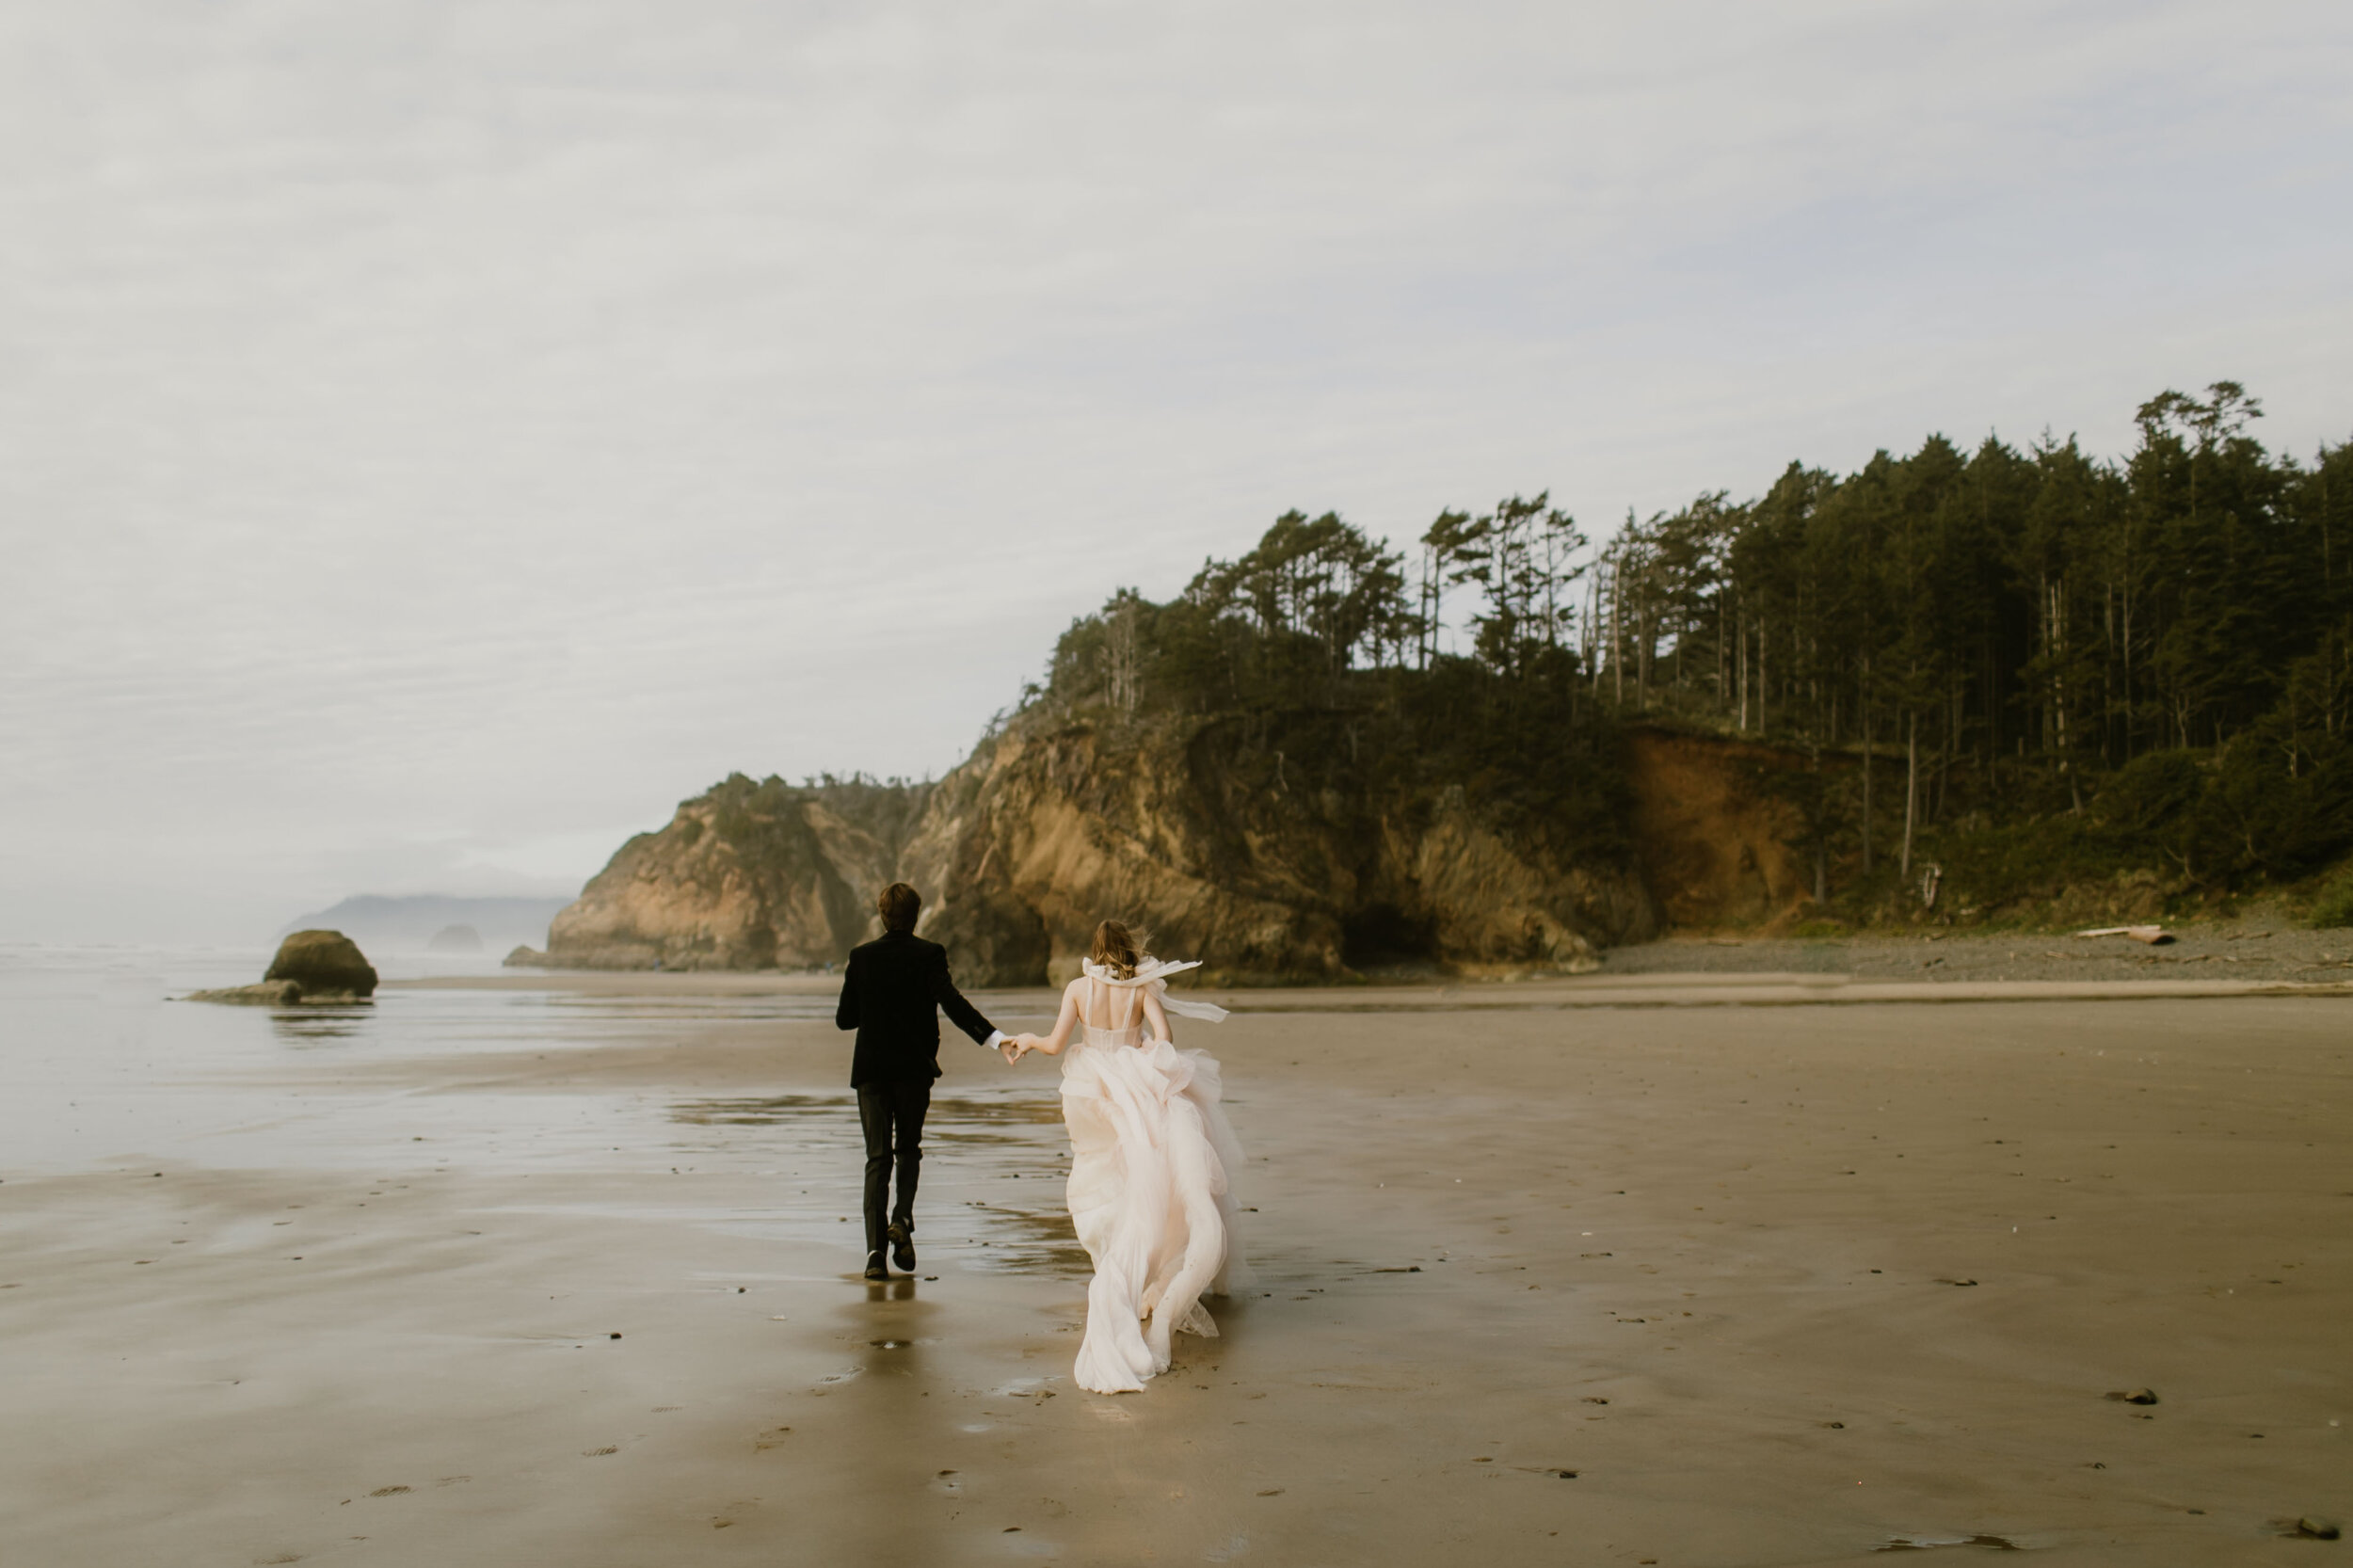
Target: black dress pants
(890,1110)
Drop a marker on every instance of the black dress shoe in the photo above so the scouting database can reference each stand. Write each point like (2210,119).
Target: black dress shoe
(902,1246)
(875,1269)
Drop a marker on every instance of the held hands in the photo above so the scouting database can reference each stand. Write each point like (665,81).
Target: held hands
(1016,1047)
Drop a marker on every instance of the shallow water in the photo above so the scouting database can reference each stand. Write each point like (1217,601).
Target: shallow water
(994,1137)
(101,1070)
(101,1063)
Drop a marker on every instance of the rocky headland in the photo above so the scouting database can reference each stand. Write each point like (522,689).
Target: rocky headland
(1053,825)
(748,876)
(1313,765)
(1267,873)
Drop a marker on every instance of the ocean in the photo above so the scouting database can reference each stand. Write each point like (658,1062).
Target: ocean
(102,1067)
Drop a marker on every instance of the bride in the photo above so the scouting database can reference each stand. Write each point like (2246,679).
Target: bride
(1150,1151)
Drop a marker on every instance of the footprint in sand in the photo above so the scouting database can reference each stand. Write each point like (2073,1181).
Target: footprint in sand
(599,1453)
(388,1490)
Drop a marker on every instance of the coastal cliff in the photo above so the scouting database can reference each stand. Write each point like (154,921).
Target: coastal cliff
(1180,826)
(745,876)
(1053,825)
(1278,772)
(1323,758)
(1719,844)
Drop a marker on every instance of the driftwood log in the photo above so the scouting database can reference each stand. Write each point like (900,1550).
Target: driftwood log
(2155,936)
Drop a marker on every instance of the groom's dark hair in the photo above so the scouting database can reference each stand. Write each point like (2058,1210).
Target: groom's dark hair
(899,904)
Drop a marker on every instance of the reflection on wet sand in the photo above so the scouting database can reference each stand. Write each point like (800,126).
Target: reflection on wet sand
(312,1025)
(970,1119)
(1007,1137)
(902,1423)
(766,1110)
(1042,1241)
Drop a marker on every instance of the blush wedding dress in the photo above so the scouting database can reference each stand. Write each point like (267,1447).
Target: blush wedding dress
(1151,1156)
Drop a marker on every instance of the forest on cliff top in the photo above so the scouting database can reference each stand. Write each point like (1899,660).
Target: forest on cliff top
(2009,671)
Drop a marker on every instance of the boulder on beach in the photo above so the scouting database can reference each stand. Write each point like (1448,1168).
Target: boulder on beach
(455,939)
(269,993)
(325,964)
(525,958)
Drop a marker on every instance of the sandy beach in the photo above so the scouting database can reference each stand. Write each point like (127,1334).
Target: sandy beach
(1754,1268)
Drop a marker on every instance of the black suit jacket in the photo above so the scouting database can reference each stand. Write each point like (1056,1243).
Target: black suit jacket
(891,995)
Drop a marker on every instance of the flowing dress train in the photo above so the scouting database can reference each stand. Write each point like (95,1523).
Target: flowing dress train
(1150,1155)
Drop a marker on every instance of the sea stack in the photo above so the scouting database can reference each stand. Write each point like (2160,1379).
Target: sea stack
(327,964)
(455,939)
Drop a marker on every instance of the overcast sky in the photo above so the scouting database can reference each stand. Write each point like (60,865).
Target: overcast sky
(435,438)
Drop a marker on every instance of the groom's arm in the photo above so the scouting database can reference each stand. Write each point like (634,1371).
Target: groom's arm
(961,1013)
(845,1011)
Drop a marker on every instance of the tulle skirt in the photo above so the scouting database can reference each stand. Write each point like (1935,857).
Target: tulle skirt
(1150,1150)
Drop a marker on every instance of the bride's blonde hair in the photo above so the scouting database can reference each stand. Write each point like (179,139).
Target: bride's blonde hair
(1117,949)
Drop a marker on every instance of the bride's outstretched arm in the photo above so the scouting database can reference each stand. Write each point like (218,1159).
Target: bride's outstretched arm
(1052,1043)
(1157,1017)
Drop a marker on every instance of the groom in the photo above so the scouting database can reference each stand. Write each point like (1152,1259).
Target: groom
(891,995)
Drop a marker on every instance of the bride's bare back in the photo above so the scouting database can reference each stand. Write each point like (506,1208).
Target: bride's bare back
(1110,1015)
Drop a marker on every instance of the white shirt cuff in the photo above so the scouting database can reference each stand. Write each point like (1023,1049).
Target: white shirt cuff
(995,1037)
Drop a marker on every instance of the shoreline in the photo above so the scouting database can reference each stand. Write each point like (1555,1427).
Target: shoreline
(2255,955)
(1666,989)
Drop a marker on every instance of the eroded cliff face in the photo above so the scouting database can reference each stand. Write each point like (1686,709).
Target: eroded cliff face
(1713,839)
(748,876)
(1050,830)
(1263,878)
(1053,825)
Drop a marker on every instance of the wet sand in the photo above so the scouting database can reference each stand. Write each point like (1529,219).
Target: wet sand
(1544,1280)
(2260,945)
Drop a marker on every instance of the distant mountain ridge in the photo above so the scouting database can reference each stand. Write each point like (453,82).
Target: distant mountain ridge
(409,922)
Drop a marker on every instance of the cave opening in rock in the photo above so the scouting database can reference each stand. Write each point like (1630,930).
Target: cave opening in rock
(1384,936)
